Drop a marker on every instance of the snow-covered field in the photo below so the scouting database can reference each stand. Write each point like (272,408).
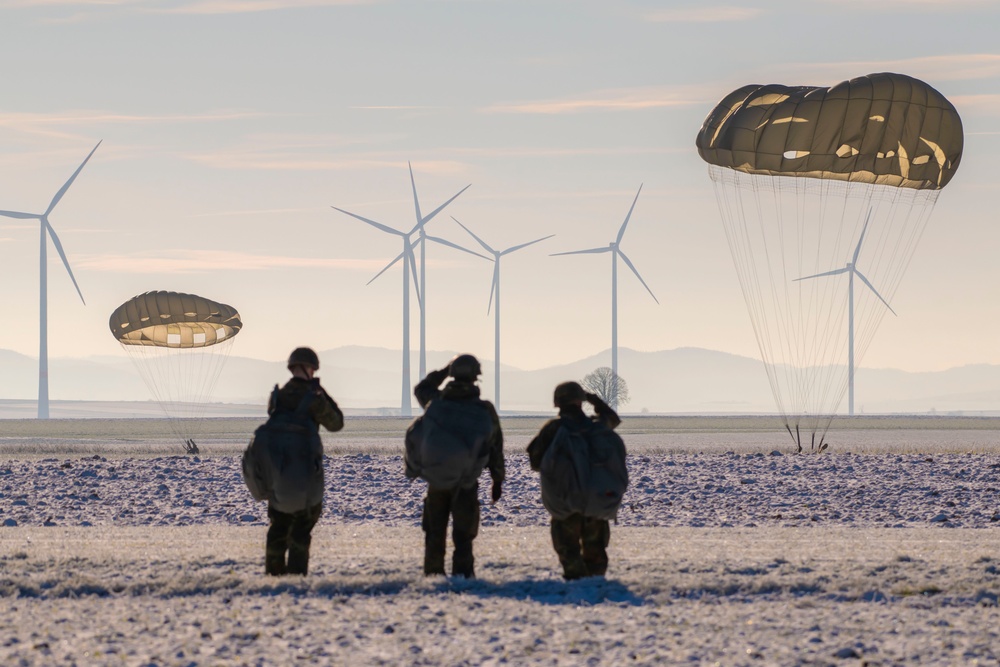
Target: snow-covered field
(733,552)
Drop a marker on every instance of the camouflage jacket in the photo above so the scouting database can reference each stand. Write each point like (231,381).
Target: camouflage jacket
(427,390)
(323,409)
(570,415)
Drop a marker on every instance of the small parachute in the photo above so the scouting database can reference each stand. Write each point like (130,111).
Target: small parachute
(179,343)
(816,187)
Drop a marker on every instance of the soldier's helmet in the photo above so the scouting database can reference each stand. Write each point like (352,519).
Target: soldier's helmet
(464,367)
(568,393)
(303,356)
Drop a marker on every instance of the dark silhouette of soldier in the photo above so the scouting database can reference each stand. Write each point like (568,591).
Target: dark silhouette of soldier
(461,504)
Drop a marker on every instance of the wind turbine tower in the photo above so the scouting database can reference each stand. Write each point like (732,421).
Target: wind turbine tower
(495,297)
(851,269)
(410,268)
(46,231)
(615,249)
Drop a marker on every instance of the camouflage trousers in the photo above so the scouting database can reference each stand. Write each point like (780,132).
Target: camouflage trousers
(581,543)
(462,505)
(291,534)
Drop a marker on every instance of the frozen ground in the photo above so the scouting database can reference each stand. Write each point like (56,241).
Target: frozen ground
(696,490)
(735,596)
(752,556)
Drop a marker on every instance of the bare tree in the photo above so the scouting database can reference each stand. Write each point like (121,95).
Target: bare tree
(612,388)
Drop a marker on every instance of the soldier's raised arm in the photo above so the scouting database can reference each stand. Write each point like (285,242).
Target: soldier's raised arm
(603,411)
(428,388)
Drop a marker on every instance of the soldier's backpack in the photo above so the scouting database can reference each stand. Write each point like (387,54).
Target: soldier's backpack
(284,461)
(583,472)
(448,446)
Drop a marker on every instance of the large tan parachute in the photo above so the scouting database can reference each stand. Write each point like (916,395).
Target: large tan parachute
(179,343)
(889,129)
(173,319)
(818,187)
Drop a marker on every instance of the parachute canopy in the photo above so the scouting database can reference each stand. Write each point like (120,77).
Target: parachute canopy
(174,320)
(818,187)
(887,129)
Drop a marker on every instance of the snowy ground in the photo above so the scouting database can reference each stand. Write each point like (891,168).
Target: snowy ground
(695,490)
(886,557)
(764,596)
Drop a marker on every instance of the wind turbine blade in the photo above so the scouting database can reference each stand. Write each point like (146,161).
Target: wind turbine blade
(425,220)
(455,246)
(820,275)
(589,251)
(493,285)
(62,255)
(377,225)
(65,187)
(416,202)
(387,267)
(630,265)
(857,250)
(872,288)
(481,242)
(621,232)
(19,215)
(525,245)
(412,261)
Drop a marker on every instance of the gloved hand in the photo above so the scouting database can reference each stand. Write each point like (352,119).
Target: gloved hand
(496,492)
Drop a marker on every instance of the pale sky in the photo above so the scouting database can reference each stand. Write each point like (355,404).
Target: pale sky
(230,128)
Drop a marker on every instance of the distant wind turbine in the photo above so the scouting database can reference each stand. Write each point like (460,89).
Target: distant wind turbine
(410,267)
(43,335)
(495,295)
(851,269)
(615,249)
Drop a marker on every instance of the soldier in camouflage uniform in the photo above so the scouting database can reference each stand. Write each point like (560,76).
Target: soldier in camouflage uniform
(576,531)
(462,504)
(292,533)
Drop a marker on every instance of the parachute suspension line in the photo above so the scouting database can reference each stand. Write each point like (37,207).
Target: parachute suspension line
(181,380)
(728,194)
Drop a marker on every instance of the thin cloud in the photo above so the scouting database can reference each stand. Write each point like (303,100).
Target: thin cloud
(627,99)
(215,7)
(210,261)
(523,151)
(980,104)
(949,67)
(261,211)
(11,4)
(703,14)
(398,107)
(62,125)
(895,5)
(191,7)
(101,117)
(292,161)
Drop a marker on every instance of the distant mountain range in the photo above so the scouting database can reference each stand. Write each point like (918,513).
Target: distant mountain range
(684,380)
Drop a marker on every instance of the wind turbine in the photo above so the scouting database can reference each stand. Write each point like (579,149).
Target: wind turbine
(495,294)
(46,230)
(422,292)
(851,269)
(410,267)
(615,249)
